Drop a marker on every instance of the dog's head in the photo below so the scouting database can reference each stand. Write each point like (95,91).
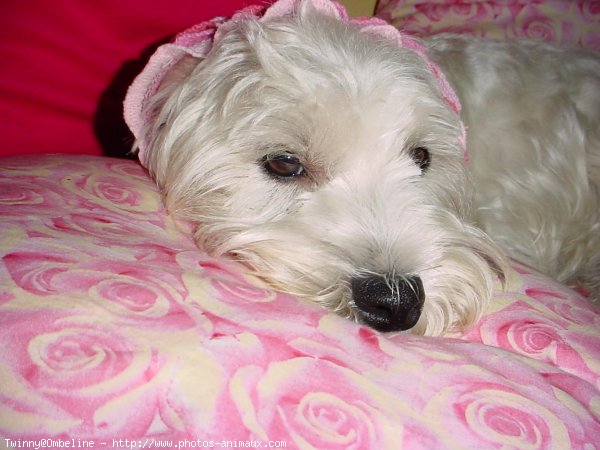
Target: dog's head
(329,159)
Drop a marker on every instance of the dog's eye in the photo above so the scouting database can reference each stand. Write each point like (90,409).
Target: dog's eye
(421,157)
(283,166)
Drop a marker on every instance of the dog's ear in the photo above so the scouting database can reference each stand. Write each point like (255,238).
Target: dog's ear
(158,109)
(308,8)
(170,63)
(179,72)
(304,9)
(146,99)
(301,8)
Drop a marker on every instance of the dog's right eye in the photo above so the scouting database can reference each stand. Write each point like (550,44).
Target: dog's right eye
(283,166)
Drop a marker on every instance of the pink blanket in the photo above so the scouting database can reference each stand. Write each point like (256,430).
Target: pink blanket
(115,328)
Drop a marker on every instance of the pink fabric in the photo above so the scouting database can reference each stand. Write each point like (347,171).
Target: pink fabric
(563,22)
(63,62)
(114,326)
(197,41)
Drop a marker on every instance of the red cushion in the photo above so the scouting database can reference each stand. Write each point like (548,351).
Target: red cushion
(64,73)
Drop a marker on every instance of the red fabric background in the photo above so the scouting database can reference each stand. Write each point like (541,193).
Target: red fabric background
(65,66)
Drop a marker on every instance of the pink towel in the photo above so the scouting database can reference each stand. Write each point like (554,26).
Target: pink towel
(197,41)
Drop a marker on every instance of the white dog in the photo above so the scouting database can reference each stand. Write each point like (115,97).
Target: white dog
(328,154)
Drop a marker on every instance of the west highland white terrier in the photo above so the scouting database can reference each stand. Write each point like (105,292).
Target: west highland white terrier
(328,154)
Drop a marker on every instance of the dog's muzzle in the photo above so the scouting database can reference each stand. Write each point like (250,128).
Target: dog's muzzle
(388,305)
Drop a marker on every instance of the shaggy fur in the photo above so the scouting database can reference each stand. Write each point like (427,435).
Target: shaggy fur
(370,227)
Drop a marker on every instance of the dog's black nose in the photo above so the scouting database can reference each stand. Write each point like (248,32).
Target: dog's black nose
(388,305)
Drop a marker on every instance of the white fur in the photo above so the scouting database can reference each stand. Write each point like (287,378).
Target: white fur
(351,107)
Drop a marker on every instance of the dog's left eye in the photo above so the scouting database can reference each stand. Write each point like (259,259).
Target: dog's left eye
(421,157)
(283,166)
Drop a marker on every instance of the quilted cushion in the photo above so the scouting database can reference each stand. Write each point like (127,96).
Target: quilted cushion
(113,325)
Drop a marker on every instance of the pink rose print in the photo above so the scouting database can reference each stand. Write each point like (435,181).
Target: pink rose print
(104,225)
(531,338)
(127,169)
(316,404)
(540,29)
(535,336)
(133,290)
(569,307)
(111,188)
(129,196)
(263,309)
(239,299)
(12,193)
(454,13)
(493,412)
(534,24)
(36,272)
(236,292)
(589,10)
(80,366)
(131,296)
(113,324)
(19,197)
(485,414)
(193,260)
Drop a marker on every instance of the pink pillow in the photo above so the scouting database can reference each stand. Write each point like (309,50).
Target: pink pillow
(63,76)
(113,325)
(559,21)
